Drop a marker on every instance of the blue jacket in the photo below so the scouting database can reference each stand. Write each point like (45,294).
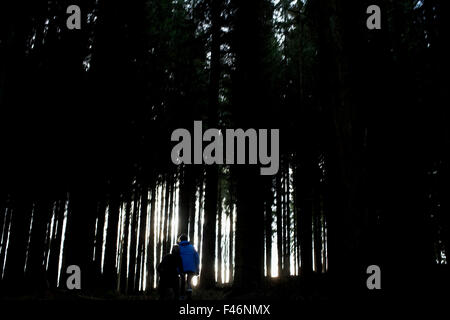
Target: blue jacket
(189,256)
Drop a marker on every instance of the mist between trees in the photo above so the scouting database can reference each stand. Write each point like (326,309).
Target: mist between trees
(87,116)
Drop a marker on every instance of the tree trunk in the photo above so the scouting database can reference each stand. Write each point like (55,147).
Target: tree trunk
(187,193)
(268,230)
(231,248)
(165,227)
(109,267)
(142,234)
(249,261)
(207,277)
(317,234)
(39,246)
(133,241)
(79,240)
(13,280)
(124,252)
(4,240)
(151,244)
(170,218)
(200,213)
(287,248)
(219,240)
(99,239)
(279,224)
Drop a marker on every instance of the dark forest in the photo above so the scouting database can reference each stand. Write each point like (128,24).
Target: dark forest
(86,118)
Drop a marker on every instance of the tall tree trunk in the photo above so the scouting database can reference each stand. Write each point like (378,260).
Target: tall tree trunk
(187,193)
(124,252)
(304,217)
(279,224)
(219,241)
(317,234)
(101,211)
(79,240)
(133,241)
(165,227)
(200,213)
(207,279)
(295,216)
(151,244)
(231,248)
(192,210)
(39,246)
(13,280)
(142,234)
(159,246)
(344,154)
(109,267)
(249,260)
(268,230)
(4,241)
(287,250)
(170,218)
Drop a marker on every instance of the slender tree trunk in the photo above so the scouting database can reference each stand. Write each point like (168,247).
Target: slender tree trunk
(207,279)
(219,241)
(142,234)
(325,253)
(39,246)
(159,246)
(3,213)
(200,212)
(170,218)
(192,210)
(4,241)
(231,249)
(279,224)
(268,231)
(305,220)
(109,268)
(99,239)
(317,234)
(79,240)
(296,226)
(151,244)
(18,238)
(287,252)
(133,241)
(124,252)
(165,227)
(187,199)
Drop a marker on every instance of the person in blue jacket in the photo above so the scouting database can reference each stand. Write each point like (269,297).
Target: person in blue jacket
(191,262)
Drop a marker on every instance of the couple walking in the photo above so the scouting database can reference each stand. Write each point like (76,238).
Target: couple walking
(181,264)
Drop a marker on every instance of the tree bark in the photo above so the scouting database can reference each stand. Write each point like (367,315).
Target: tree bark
(219,240)
(268,230)
(151,244)
(124,251)
(109,267)
(279,224)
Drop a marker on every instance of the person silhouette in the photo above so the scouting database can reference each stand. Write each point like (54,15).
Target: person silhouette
(169,270)
(191,262)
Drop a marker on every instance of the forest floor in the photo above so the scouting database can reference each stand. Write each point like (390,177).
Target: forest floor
(287,289)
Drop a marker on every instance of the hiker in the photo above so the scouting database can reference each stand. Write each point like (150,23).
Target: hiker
(169,270)
(191,262)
